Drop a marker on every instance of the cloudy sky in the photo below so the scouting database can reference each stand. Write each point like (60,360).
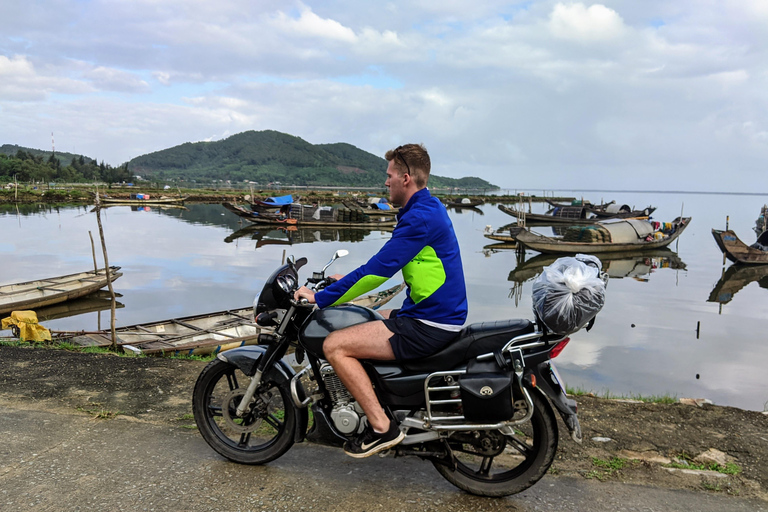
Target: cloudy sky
(621,94)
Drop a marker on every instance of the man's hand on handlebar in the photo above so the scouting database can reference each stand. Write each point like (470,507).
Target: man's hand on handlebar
(304,293)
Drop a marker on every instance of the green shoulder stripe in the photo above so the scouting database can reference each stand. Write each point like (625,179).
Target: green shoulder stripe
(364,285)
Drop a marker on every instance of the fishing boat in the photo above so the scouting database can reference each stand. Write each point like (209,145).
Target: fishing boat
(570,215)
(614,235)
(739,252)
(464,203)
(378,207)
(499,235)
(614,210)
(735,278)
(142,199)
(199,334)
(309,215)
(52,290)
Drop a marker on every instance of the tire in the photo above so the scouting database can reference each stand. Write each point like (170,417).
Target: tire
(263,434)
(488,463)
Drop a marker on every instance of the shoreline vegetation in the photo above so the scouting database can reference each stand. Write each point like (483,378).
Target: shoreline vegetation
(76,194)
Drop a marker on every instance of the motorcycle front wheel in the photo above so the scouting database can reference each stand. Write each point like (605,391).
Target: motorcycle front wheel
(492,463)
(262,434)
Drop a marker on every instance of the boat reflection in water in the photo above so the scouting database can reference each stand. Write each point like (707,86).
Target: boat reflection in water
(635,265)
(269,235)
(735,278)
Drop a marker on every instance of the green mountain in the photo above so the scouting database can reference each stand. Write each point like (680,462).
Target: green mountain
(269,156)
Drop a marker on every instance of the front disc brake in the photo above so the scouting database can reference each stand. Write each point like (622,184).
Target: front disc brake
(241,425)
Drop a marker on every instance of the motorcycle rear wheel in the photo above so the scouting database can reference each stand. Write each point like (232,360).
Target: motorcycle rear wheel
(488,463)
(263,434)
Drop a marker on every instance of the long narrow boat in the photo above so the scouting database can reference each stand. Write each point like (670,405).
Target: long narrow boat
(570,215)
(52,290)
(144,202)
(280,220)
(615,235)
(200,334)
(739,252)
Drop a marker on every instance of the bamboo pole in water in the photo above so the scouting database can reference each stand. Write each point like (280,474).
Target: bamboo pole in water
(106,270)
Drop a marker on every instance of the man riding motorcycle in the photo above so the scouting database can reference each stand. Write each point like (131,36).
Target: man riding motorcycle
(424,247)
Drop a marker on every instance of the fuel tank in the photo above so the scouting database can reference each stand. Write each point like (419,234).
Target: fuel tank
(324,321)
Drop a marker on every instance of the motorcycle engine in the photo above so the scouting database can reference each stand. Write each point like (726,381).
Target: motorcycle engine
(346,413)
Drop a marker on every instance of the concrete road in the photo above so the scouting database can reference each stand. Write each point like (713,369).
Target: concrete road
(62,460)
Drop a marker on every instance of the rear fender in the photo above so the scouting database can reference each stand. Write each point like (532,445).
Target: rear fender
(547,381)
(247,359)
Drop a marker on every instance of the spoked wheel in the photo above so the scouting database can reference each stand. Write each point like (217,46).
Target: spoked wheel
(263,433)
(492,463)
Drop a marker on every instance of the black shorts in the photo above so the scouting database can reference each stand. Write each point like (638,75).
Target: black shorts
(413,339)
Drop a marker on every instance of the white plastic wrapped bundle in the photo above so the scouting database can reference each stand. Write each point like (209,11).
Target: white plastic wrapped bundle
(569,293)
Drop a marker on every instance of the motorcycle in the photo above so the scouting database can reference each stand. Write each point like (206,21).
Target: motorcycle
(482,410)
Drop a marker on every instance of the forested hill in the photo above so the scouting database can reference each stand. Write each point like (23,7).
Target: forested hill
(269,156)
(64,158)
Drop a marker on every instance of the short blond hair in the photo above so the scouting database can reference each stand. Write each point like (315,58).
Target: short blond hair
(411,159)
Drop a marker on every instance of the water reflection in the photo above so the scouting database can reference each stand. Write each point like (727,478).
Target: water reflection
(735,278)
(638,265)
(99,301)
(269,235)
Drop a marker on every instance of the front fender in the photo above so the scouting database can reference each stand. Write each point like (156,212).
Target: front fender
(247,359)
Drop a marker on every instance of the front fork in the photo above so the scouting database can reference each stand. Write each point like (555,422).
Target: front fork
(275,352)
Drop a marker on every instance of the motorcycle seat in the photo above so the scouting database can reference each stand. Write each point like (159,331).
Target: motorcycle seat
(473,340)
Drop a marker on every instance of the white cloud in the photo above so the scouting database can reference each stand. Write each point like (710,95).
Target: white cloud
(309,24)
(580,23)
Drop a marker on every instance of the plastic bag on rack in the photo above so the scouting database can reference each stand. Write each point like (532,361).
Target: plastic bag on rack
(569,293)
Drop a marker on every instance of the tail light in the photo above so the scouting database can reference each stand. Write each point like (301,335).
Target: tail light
(558,348)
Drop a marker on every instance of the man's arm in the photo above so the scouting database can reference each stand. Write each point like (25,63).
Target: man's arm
(407,240)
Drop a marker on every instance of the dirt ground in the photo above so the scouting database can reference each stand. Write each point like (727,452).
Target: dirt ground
(623,441)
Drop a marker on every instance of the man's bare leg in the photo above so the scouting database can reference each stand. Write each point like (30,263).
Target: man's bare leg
(344,349)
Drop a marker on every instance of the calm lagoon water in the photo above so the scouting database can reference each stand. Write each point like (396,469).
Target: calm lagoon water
(185,262)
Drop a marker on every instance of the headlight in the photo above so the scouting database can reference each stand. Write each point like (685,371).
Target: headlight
(287,283)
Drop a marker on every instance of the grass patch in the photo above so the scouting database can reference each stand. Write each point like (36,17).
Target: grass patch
(604,469)
(650,399)
(730,468)
(100,413)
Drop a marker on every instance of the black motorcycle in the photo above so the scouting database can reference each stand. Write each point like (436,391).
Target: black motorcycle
(481,410)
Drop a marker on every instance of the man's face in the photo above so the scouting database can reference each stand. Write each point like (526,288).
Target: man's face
(396,184)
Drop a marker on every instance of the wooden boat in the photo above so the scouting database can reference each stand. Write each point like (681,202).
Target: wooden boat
(464,203)
(379,209)
(736,277)
(52,290)
(739,252)
(617,235)
(569,215)
(613,210)
(306,218)
(162,200)
(200,334)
